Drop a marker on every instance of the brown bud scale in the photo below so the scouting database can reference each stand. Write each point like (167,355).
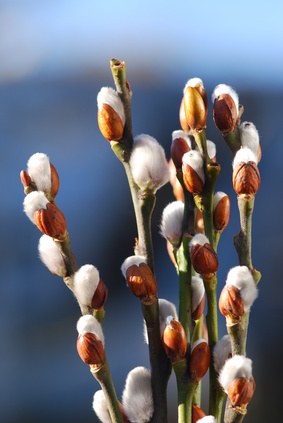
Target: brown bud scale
(204,259)
(174,341)
(179,147)
(90,349)
(195,110)
(55,182)
(141,281)
(221,213)
(199,361)
(231,304)
(51,221)
(110,123)
(198,312)
(241,391)
(225,113)
(246,178)
(100,295)
(192,181)
(197,413)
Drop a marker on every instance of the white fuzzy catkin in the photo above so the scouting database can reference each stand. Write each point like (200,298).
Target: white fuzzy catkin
(89,324)
(51,256)
(182,134)
(34,201)
(166,308)
(244,155)
(100,407)
(137,397)
(198,239)
(86,280)
(192,82)
(211,149)
(172,222)
(217,197)
(249,136)
(38,168)
(225,89)
(221,352)
(208,419)
(197,291)
(193,158)
(109,96)
(148,163)
(236,367)
(241,278)
(131,261)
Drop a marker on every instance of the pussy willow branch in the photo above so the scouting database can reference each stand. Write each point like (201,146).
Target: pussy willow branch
(143,207)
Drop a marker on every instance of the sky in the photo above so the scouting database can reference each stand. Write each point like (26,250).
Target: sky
(159,39)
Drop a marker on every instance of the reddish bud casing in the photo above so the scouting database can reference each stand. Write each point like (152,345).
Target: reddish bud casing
(100,296)
(110,123)
(199,361)
(241,391)
(204,259)
(195,109)
(246,178)
(141,281)
(197,413)
(192,180)
(221,213)
(175,341)
(90,349)
(179,147)
(225,113)
(51,221)
(54,181)
(231,304)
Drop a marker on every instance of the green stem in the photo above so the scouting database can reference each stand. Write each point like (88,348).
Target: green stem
(233,141)
(103,376)
(186,390)
(159,363)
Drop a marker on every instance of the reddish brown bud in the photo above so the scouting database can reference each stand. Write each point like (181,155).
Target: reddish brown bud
(225,113)
(197,413)
(179,147)
(241,390)
(246,178)
(54,181)
(141,281)
(90,349)
(25,178)
(193,182)
(198,312)
(204,259)
(231,304)
(195,110)
(51,221)
(182,117)
(174,340)
(110,123)
(221,213)
(100,295)
(199,361)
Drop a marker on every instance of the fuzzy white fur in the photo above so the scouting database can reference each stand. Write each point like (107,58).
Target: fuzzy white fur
(172,222)
(51,256)
(235,367)
(38,167)
(89,324)
(131,261)
(221,352)
(86,280)
(241,278)
(225,89)
(100,407)
(193,158)
(34,201)
(198,291)
(109,96)
(249,136)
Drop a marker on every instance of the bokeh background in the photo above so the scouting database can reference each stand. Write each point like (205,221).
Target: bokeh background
(54,57)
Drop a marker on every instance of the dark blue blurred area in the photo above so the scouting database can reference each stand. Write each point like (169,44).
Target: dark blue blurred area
(42,376)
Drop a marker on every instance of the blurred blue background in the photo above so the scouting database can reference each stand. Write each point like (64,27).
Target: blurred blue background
(54,58)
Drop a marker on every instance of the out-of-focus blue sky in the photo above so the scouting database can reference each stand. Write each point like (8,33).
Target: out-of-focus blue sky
(168,39)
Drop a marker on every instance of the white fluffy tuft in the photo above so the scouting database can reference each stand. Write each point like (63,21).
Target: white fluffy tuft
(172,222)
(245,155)
(137,397)
(211,149)
(166,308)
(198,291)
(100,407)
(89,324)
(131,261)
(208,419)
(86,280)
(34,201)
(108,95)
(217,197)
(192,82)
(51,256)
(198,239)
(236,367)
(221,352)
(249,136)
(148,163)
(241,278)
(225,89)
(182,134)
(193,158)
(38,167)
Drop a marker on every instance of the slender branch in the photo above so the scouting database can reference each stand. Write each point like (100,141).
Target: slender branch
(103,376)
(186,390)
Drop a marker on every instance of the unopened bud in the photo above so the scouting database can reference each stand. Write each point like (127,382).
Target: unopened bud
(231,304)
(174,340)
(246,177)
(193,173)
(241,278)
(26,180)
(195,108)
(171,226)
(111,114)
(139,277)
(89,288)
(221,210)
(55,182)
(90,343)
(204,258)
(225,108)
(180,145)
(182,117)
(200,359)
(241,391)
(51,222)
(197,413)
